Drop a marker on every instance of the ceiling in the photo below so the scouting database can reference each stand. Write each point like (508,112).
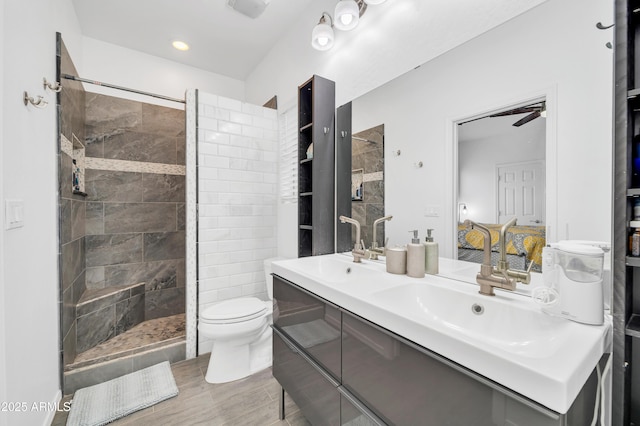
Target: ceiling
(226,42)
(222,40)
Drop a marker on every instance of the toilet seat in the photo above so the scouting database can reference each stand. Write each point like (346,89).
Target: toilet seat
(233,311)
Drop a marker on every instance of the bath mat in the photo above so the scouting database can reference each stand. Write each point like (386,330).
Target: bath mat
(106,402)
(312,333)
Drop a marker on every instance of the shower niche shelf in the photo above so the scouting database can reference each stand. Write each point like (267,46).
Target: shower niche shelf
(316,106)
(78,166)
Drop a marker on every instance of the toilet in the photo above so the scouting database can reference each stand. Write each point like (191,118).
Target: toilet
(241,334)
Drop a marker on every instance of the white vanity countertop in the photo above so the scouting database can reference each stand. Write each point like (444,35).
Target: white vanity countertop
(544,358)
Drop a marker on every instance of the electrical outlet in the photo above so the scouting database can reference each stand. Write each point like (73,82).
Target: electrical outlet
(432,211)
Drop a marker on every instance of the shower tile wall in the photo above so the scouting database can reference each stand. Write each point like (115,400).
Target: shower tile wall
(72,211)
(134,210)
(237,184)
(370,157)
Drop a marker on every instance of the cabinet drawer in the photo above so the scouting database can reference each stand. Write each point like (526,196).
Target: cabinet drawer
(407,385)
(315,395)
(311,323)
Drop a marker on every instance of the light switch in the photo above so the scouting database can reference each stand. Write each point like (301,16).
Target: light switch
(14,214)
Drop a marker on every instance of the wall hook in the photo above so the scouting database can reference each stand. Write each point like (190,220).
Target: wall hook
(343,133)
(38,103)
(325,130)
(418,164)
(55,87)
(609,45)
(397,153)
(603,27)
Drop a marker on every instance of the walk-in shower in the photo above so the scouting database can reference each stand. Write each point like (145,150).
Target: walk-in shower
(122,232)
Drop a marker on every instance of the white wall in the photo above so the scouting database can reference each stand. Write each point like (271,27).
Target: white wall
(482,146)
(109,63)
(3,370)
(30,372)
(237,191)
(553,48)
(516,61)
(391,39)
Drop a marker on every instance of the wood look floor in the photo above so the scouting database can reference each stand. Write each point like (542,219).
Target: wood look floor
(252,401)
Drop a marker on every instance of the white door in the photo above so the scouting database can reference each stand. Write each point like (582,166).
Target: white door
(521,193)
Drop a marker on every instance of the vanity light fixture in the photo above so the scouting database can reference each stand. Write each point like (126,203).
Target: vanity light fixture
(180,45)
(322,35)
(347,15)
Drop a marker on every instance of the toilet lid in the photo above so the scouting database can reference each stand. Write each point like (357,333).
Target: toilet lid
(234,310)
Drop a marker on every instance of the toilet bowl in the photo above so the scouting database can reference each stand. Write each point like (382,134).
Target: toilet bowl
(241,334)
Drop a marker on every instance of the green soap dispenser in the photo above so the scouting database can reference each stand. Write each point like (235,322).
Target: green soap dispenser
(430,254)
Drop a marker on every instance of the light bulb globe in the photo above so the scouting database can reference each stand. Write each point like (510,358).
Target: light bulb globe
(322,37)
(347,15)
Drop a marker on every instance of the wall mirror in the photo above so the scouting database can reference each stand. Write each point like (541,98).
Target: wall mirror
(422,111)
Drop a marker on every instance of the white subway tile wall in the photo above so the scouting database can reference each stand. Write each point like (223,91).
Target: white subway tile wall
(237,195)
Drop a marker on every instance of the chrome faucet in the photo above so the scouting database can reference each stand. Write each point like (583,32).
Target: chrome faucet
(358,249)
(375,251)
(501,276)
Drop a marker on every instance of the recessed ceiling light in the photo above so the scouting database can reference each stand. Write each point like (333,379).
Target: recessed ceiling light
(180,45)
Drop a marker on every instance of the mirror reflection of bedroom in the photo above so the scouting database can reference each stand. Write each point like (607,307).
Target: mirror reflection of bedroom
(501,175)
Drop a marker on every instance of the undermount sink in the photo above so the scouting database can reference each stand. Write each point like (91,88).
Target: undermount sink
(508,324)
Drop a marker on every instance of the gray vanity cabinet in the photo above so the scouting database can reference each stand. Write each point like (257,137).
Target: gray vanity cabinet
(405,384)
(342,369)
(311,323)
(314,393)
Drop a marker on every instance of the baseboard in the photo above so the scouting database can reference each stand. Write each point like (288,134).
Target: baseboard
(52,413)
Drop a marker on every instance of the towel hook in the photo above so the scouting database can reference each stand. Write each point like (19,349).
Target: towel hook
(38,103)
(55,87)
(603,27)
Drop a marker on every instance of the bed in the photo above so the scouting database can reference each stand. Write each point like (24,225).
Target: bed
(524,245)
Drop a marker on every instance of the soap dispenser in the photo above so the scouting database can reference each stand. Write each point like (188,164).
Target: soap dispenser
(430,254)
(415,257)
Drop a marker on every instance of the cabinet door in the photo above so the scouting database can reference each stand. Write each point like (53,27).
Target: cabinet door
(405,386)
(311,323)
(353,413)
(313,393)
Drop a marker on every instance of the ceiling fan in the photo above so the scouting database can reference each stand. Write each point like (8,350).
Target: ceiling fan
(535,111)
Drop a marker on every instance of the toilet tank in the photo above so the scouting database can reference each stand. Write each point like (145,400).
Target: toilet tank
(267,274)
